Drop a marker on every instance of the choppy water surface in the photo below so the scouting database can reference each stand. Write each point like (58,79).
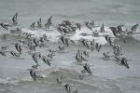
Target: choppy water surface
(102,11)
(108,76)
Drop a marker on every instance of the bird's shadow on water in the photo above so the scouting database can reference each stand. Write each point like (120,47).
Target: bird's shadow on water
(18,58)
(62,52)
(111,60)
(79,63)
(116,61)
(105,59)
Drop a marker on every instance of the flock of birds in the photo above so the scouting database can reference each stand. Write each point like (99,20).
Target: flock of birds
(66,28)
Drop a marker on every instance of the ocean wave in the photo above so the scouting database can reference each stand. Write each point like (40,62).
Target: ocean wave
(54,35)
(89,83)
(14,81)
(48,75)
(84,33)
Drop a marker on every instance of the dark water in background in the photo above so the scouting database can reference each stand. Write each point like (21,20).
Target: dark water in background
(102,11)
(108,77)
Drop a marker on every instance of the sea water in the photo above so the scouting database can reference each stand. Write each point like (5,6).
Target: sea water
(108,76)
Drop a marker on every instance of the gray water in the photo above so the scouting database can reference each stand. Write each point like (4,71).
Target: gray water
(108,76)
(102,11)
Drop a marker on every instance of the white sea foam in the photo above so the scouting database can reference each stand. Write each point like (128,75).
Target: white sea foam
(54,35)
(136,35)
